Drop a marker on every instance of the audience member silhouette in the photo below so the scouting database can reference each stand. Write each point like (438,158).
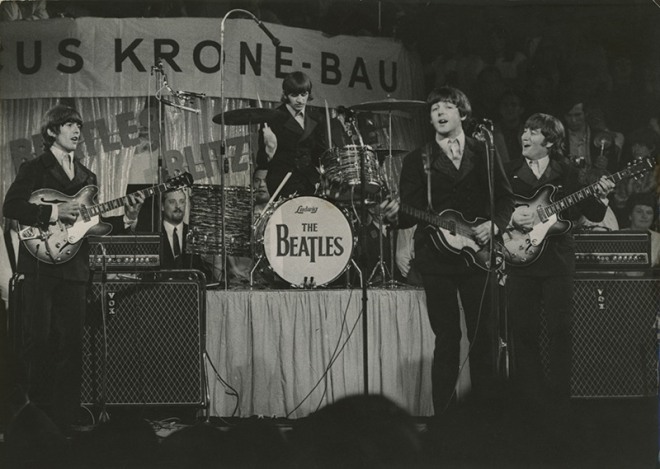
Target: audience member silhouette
(361,431)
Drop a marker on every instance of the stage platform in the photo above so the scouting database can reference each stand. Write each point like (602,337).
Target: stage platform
(287,353)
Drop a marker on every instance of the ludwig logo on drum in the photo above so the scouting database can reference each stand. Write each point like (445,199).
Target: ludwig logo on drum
(305,209)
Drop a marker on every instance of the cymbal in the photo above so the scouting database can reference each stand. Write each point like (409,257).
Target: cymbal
(390,104)
(250,115)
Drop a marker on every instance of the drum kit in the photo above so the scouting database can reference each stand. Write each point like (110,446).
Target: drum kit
(307,241)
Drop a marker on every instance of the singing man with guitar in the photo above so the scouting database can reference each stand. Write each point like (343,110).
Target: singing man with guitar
(540,253)
(56,274)
(444,189)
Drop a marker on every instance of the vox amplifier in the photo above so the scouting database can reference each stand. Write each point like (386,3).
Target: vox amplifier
(124,252)
(618,250)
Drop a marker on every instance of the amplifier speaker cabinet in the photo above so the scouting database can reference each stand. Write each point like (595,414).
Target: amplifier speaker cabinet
(155,331)
(614,337)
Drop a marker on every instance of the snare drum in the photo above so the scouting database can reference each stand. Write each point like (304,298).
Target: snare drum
(340,175)
(205,233)
(307,240)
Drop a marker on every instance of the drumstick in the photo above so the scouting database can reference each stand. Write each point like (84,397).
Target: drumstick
(327,120)
(259,101)
(275,194)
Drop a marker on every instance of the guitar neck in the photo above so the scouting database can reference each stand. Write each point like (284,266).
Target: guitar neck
(580,195)
(121,201)
(425,216)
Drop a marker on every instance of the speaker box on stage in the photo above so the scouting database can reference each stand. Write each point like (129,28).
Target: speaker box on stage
(155,336)
(614,337)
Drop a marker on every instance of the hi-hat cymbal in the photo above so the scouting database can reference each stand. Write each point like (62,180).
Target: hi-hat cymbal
(390,104)
(250,115)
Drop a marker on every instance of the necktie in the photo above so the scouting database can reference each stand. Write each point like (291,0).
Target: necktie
(175,244)
(300,118)
(455,150)
(534,165)
(67,164)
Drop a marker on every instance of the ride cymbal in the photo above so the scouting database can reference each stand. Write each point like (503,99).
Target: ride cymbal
(390,104)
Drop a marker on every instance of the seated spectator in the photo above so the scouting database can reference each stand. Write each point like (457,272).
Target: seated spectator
(257,443)
(509,126)
(199,446)
(361,431)
(174,252)
(589,143)
(487,93)
(124,441)
(12,10)
(643,216)
(642,144)
(540,93)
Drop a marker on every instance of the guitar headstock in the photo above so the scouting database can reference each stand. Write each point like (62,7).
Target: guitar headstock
(182,180)
(637,168)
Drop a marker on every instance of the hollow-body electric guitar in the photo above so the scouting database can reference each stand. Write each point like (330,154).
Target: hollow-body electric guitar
(523,247)
(59,242)
(449,230)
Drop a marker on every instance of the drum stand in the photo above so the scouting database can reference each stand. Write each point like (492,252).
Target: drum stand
(380,266)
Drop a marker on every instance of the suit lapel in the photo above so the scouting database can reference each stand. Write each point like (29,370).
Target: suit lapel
(54,168)
(310,125)
(441,162)
(526,175)
(468,161)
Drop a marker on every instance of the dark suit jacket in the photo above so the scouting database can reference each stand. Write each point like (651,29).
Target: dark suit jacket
(45,172)
(558,257)
(10,250)
(185,260)
(464,190)
(298,151)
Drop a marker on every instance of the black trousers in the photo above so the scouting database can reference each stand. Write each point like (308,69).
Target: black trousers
(444,316)
(527,297)
(53,316)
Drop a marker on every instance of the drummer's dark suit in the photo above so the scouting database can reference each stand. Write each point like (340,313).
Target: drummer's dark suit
(298,151)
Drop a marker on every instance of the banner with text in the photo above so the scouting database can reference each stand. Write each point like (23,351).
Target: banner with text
(100,57)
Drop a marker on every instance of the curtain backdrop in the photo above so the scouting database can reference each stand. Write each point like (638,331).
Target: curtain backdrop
(187,135)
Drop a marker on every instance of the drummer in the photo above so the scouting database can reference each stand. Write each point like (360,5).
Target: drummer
(295,142)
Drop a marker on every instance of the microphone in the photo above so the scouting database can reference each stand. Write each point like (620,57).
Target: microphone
(179,106)
(158,67)
(226,165)
(189,95)
(276,42)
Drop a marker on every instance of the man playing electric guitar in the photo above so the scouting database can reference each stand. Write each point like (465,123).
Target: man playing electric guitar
(546,283)
(450,172)
(54,295)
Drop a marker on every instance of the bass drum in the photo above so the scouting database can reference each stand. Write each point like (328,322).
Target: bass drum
(307,241)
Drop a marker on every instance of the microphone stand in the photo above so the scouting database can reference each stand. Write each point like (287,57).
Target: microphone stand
(498,330)
(363,244)
(222,161)
(103,413)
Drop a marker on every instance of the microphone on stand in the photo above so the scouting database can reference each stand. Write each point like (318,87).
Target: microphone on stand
(276,42)
(158,67)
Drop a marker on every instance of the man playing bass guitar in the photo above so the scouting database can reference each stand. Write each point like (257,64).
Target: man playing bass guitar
(445,184)
(54,295)
(547,282)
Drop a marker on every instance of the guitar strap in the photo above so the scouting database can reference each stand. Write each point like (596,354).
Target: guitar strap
(426,160)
